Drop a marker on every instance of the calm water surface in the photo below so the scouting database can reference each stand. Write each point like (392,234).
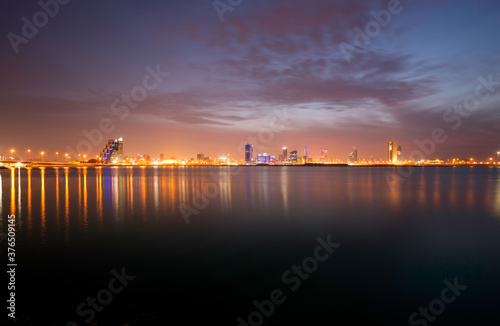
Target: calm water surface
(205,242)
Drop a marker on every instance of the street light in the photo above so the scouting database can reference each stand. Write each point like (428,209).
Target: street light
(66,157)
(42,155)
(12,153)
(57,156)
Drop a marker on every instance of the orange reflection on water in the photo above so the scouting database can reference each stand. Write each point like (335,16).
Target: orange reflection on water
(98,194)
(1,200)
(143,192)
(131,187)
(156,195)
(19,212)
(42,209)
(115,191)
(85,209)
(57,200)
(79,194)
(30,225)
(66,204)
(12,191)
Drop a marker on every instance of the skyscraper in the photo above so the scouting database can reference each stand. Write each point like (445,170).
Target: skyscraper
(285,154)
(113,152)
(293,156)
(248,153)
(399,153)
(392,151)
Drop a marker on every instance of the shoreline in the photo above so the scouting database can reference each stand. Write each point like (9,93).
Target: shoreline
(30,165)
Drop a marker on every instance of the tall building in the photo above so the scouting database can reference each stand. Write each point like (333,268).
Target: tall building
(399,153)
(162,157)
(293,156)
(323,154)
(392,151)
(113,152)
(248,153)
(285,154)
(200,157)
(353,157)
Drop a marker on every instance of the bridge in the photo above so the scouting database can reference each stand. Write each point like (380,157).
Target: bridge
(11,164)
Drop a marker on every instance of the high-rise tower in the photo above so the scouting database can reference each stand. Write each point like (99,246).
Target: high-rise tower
(392,151)
(248,153)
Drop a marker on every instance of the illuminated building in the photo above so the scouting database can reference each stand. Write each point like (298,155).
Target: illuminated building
(293,156)
(113,152)
(162,157)
(285,154)
(392,151)
(399,153)
(323,154)
(248,153)
(263,158)
(200,157)
(353,157)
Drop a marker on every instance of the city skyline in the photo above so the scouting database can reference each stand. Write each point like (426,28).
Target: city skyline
(183,81)
(113,153)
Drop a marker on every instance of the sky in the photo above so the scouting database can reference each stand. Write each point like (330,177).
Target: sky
(194,76)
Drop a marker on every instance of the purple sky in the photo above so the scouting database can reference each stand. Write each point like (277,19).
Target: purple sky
(227,79)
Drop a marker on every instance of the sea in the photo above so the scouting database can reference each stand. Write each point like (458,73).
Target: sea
(253,245)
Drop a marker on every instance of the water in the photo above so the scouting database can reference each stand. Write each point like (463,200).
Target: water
(205,242)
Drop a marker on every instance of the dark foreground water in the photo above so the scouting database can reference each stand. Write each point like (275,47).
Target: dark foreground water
(207,245)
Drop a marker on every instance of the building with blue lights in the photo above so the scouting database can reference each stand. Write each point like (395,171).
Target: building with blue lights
(248,153)
(113,152)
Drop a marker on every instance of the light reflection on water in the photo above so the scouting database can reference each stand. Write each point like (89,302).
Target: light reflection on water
(256,223)
(95,199)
